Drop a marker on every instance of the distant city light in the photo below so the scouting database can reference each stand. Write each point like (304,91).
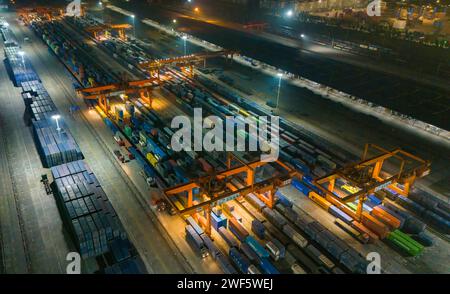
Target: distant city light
(174,21)
(132,15)
(196,9)
(302,35)
(289,13)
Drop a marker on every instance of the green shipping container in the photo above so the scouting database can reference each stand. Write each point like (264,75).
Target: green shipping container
(405,243)
(128,131)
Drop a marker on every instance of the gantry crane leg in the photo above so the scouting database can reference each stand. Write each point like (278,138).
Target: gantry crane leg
(103,103)
(359,209)
(377,169)
(145,95)
(190,198)
(331,185)
(208,220)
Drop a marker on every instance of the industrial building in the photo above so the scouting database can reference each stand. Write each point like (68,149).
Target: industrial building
(90,127)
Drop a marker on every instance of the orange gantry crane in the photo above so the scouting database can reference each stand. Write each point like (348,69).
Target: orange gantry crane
(103,92)
(218,188)
(396,169)
(120,28)
(153,67)
(29,14)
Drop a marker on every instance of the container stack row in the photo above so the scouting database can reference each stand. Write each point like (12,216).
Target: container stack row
(85,208)
(91,219)
(72,53)
(83,205)
(55,146)
(18,66)
(333,245)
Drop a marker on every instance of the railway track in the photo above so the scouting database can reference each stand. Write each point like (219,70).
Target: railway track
(15,194)
(444,237)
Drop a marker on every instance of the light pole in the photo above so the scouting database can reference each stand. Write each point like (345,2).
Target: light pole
(184,43)
(22,54)
(101,7)
(134,26)
(280,75)
(56,117)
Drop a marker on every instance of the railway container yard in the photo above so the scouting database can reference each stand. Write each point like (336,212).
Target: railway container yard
(128,201)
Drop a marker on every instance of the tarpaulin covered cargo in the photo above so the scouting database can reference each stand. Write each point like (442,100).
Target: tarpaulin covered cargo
(85,209)
(55,146)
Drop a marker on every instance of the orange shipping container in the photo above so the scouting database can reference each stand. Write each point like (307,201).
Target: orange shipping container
(363,230)
(322,202)
(375,225)
(386,218)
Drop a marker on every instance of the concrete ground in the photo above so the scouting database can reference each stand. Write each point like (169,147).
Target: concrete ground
(33,240)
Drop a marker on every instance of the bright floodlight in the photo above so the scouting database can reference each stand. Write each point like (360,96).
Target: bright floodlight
(279,74)
(56,117)
(21,53)
(174,21)
(189,1)
(5,24)
(132,15)
(100,3)
(289,13)
(302,35)
(196,9)
(184,37)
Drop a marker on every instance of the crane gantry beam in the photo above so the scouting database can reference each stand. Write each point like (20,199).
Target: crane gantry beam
(154,66)
(120,28)
(27,14)
(211,198)
(367,176)
(102,92)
